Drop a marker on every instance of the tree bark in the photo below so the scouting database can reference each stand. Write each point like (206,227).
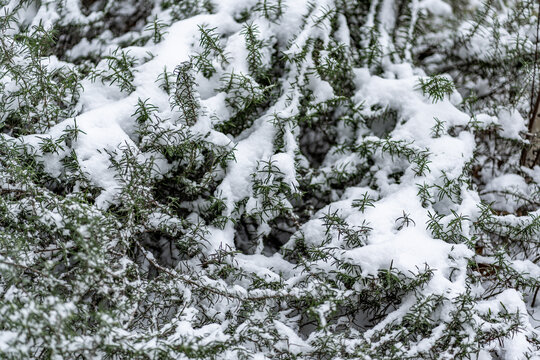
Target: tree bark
(531,154)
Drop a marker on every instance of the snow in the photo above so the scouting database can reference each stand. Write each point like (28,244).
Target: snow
(436,7)
(512,124)
(399,237)
(498,191)
(293,342)
(408,250)
(510,301)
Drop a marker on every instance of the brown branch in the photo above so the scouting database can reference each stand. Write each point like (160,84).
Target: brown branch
(22,267)
(530,155)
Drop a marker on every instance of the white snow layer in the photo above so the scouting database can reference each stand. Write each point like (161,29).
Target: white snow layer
(107,124)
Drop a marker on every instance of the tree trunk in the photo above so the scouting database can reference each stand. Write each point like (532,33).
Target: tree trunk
(531,154)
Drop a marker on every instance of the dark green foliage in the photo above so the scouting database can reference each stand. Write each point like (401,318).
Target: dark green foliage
(436,87)
(119,70)
(185,96)
(211,49)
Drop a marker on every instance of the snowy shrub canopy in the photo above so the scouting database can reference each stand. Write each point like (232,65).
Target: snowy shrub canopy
(267,179)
